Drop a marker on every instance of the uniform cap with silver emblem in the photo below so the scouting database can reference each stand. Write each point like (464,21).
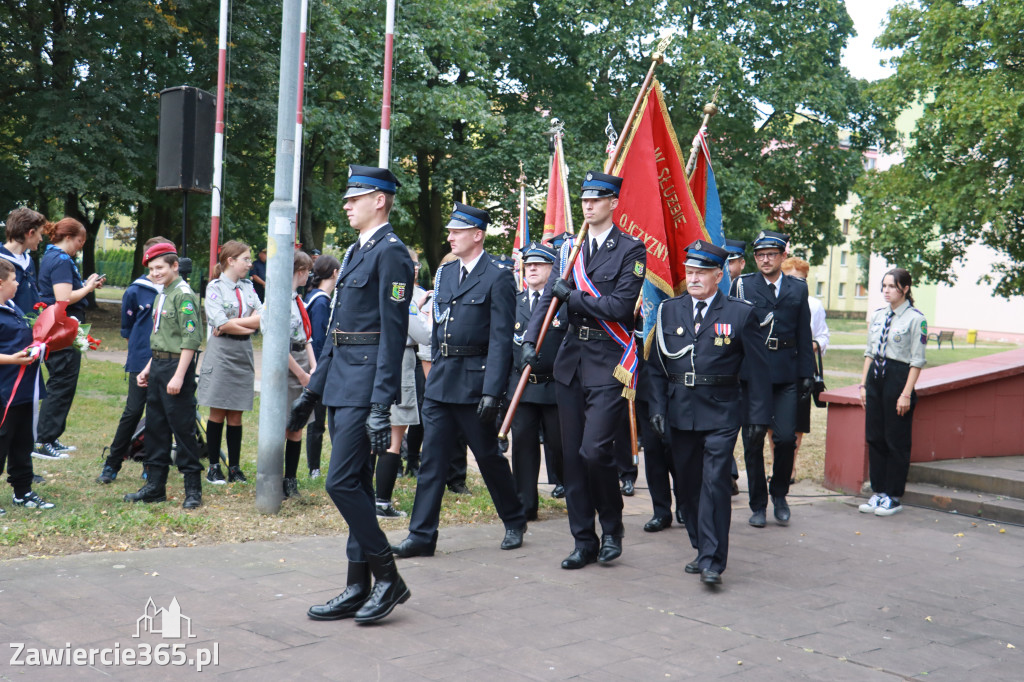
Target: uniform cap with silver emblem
(366,179)
(465,216)
(770,239)
(702,254)
(600,185)
(736,248)
(539,253)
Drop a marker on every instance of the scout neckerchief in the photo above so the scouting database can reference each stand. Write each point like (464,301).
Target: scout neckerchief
(306,326)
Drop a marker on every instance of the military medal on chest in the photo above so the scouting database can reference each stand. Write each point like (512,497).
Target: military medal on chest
(723,333)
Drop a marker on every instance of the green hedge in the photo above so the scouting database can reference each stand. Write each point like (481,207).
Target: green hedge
(116,264)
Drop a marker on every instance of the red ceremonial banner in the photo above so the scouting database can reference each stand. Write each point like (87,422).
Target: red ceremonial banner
(554,214)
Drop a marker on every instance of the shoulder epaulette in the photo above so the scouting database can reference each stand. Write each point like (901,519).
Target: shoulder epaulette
(740,300)
(630,236)
(748,274)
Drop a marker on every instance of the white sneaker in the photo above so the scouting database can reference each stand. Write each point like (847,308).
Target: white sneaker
(888,507)
(48,451)
(872,504)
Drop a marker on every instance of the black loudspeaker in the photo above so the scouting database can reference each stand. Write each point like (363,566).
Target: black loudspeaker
(187,119)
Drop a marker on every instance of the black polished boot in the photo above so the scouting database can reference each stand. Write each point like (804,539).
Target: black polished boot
(389,590)
(155,489)
(348,602)
(193,491)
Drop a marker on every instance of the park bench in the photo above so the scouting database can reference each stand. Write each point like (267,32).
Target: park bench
(939,337)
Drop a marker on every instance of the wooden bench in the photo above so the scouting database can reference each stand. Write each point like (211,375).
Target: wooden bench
(939,337)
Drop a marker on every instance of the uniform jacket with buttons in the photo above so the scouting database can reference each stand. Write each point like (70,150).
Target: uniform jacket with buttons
(617,271)
(137,321)
(372,295)
(728,341)
(538,393)
(478,312)
(791,319)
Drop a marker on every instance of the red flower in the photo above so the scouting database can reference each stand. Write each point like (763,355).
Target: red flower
(93,343)
(39,306)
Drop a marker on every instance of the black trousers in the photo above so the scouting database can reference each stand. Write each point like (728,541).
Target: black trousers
(315,436)
(784,409)
(702,460)
(134,406)
(16,445)
(63,367)
(526,429)
(888,434)
(350,481)
(591,419)
(441,423)
(414,434)
(458,464)
(168,415)
(659,466)
(624,450)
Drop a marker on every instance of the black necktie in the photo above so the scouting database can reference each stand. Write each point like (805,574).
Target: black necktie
(463,274)
(771,287)
(699,316)
(533,301)
(880,355)
(593,248)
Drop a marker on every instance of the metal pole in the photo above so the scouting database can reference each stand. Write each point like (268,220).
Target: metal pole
(183,252)
(297,166)
(274,386)
(218,137)
(385,110)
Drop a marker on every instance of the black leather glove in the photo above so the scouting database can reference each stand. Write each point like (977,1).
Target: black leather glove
(529,353)
(301,409)
(503,444)
(378,428)
(561,290)
(658,424)
(805,387)
(487,410)
(757,431)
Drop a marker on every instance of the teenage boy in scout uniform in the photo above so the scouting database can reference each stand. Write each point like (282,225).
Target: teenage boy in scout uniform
(170,377)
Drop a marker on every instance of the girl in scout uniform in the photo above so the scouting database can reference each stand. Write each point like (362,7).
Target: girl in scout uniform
(892,364)
(228,375)
(318,307)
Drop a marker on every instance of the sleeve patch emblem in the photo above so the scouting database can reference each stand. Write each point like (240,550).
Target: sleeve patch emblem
(638,269)
(190,327)
(188,308)
(398,291)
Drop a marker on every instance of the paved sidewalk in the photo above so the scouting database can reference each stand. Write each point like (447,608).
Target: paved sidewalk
(836,596)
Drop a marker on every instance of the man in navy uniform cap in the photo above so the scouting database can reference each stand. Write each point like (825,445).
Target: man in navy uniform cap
(358,377)
(471,349)
(590,402)
(538,407)
(702,340)
(737,257)
(780,302)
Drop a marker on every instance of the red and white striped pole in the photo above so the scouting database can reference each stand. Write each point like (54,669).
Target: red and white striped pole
(297,168)
(385,111)
(218,137)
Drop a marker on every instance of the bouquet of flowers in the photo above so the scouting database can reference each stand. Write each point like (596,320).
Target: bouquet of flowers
(52,329)
(84,341)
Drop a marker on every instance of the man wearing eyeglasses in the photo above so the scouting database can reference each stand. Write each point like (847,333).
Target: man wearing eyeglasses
(780,302)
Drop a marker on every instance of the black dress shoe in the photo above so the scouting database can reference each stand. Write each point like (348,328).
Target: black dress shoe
(559,492)
(389,590)
(346,604)
(460,488)
(513,538)
(781,510)
(658,523)
(757,519)
(709,577)
(611,548)
(579,558)
(693,568)
(679,517)
(735,487)
(410,548)
(628,489)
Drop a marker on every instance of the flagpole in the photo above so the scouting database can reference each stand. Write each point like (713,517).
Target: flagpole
(218,138)
(710,109)
(297,162)
(524,237)
(384,160)
(657,57)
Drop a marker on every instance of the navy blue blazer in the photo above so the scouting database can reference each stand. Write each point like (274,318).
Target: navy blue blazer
(137,322)
(28,289)
(15,336)
(479,312)
(728,340)
(538,393)
(372,295)
(790,325)
(617,271)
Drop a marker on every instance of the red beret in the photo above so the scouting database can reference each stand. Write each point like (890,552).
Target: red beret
(158,250)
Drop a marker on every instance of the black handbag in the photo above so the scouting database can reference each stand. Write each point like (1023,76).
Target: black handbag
(819,379)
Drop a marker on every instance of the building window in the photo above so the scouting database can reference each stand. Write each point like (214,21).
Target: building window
(842,290)
(862,291)
(842,258)
(846,226)
(869,163)
(819,289)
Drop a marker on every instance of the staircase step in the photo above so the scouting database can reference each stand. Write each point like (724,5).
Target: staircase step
(966,502)
(1001,476)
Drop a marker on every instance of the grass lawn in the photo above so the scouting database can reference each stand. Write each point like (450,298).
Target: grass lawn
(92,517)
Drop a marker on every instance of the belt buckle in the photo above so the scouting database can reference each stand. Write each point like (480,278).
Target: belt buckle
(773,343)
(444,349)
(689,379)
(584,333)
(532,379)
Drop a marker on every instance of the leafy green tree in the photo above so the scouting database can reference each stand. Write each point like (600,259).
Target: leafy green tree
(959,182)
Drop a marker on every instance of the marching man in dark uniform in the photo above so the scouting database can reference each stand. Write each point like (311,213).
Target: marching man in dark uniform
(702,340)
(538,406)
(471,346)
(598,345)
(358,377)
(785,319)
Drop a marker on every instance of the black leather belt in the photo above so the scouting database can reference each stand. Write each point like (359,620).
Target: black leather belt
(161,355)
(355,338)
(448,350)
(236,337)
(541,378)
(692,379)
(589,333)
(298,347)
(779,344)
